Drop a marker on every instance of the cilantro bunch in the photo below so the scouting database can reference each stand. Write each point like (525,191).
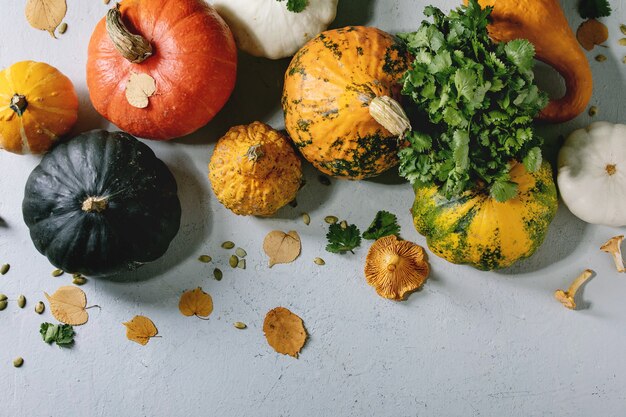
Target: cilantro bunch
(479,101)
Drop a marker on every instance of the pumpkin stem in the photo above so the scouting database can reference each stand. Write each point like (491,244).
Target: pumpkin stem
(95,204)
(18,104)
(255,152)
(390,114)
(611,169)
(134,48)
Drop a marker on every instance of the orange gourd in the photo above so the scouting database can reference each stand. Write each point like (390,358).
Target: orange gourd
(184,45)
(38,104)
(544,24)
(329,88)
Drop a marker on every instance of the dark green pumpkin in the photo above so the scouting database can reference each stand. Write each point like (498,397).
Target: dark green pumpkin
(100,204)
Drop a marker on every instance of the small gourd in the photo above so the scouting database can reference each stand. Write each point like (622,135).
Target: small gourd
(267,28)
(38,104)
(254,170)
(592,174)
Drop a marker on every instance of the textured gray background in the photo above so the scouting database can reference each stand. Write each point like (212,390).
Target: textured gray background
(469,344)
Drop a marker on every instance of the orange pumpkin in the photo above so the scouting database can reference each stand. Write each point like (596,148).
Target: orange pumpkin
(183,45)
(38,104)
(329,87)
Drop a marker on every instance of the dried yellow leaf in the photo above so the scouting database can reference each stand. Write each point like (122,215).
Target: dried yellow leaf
(140,329)
(281,247)
(139,89)
(68,305)
(46,14)
(284,331)
(196,303)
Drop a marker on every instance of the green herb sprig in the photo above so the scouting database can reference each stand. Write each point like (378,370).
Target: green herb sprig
(343,238)
(61,334)
(384,224)
(479,100)
(296,6)
(593,9)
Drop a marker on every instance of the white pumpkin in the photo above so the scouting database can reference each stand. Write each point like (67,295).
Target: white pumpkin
(267,29)
(592,174)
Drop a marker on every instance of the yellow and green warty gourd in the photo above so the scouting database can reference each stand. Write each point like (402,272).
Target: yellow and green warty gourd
(475,229)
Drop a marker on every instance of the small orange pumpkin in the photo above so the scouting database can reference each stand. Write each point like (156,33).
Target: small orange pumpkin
(329,88)
(38,104)
(183,45)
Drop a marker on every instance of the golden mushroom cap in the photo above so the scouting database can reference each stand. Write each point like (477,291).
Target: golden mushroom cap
(395,268)
(254,170)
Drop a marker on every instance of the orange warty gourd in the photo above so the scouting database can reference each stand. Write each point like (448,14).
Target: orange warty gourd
(184,45)
(38,104)
(254,170)
(544,24)
(329,87)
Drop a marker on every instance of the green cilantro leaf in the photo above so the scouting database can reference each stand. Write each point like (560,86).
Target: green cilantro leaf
(342,240)
(503,190)
(384,224)
(296,6)
(592,9)
(521,53)
(61,334)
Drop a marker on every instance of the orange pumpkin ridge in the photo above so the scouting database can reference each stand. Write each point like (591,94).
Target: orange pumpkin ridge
(193,62)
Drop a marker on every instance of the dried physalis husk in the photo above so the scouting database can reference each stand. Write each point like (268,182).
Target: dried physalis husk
(140,329)
(284,331)
(281,247)
(591,33)
(46,14)
(68,305)
(196,303)
(139,89)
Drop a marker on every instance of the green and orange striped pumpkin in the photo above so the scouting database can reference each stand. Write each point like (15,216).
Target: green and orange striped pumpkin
(329,86)
(475,229)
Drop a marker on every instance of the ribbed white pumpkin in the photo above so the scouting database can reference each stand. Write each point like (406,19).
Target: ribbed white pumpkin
(267,29)
(592,174)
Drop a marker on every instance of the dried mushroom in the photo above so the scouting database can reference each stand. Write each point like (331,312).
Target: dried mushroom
(568,298)
(395,268)
(613,246)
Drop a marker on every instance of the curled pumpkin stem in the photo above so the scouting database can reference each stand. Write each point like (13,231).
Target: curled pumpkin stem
(134,48)
(255,152)
(390,114)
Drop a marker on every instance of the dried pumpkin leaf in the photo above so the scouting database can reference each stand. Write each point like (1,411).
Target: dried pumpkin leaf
(196,303)
(46,14)
(139,89)
(281,247)
(140,329)
(284,331)
(591,33)
(68,305)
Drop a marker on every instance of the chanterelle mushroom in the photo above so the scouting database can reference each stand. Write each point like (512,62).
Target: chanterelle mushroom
(395,267)
(567,298)
(613,246)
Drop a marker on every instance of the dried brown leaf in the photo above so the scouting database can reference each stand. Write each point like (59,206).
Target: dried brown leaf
(591,33)
(46,14)
(68,305)
(139,89)
(284,331)
(281,247)
(140,329)
(196,303)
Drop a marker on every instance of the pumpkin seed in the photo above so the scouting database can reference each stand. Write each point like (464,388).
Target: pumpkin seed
(63,28)
(293,203)
(79,280)
(4,269)
(107,1)
(319,261)
(622,27)
(3,297)
(3,304)
(323,179)
(40,307)
(228,245)
(241,264)
(343,224)
(233,261)
(306,218)
(21,301)
(17,362)
(241,253)
(205,259)
(57,272)
(593,110)
(239,325)
(218,274)
(331,219)
(601,58)
(622,41)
